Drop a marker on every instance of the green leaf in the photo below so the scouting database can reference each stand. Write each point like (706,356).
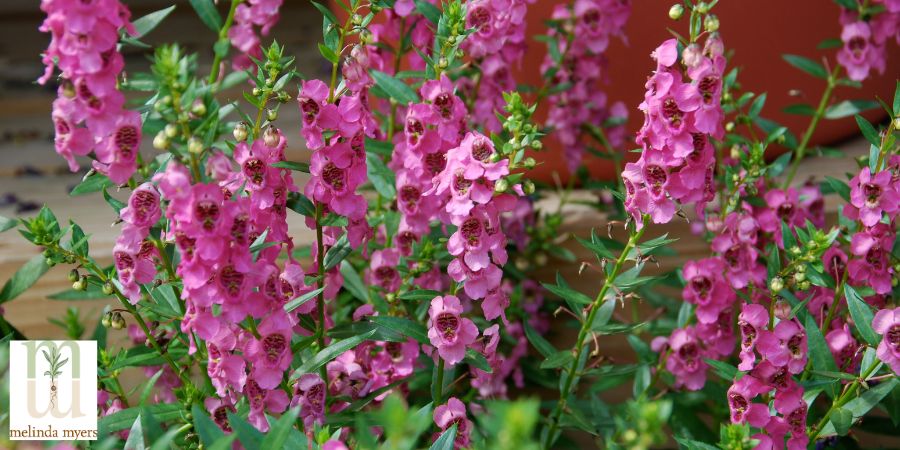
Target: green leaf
(353,283)
(870,133)
(90,184)
(424,295)
(337,253)
(24,278)
(403,326)
(431,12)
(558,359)
(326,13)
(301,205)
(299,301)
(382,178)
(603,315)
(280,430)
(819,353)
(329,353)
(293,165)
(205,427)
(247,434)
(597,247)
(800,109)
(542,345)
(861,405)
(849,108)
(840,187)
(862,316)
(7,224)
(113,202)
(91,293)
(896,104)
(568,294)
(136,436)
(691,444)
(723,369)
(147,23)
(757,106)
(446,441)
(206,11)
(394,88)
(807,65)
(122,420)
(477,360)
(329,54)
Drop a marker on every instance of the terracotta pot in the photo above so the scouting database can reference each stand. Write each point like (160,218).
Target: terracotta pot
(759,32)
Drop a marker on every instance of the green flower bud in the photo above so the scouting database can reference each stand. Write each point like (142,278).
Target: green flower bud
(501,185)
(528,187)
(711,23)
(240,132)
(256,92)
(529,163)
(897,123)
(106,321)
(804,285)
(271,115)
(537,145)
(676,11)
(160,141)
(540,259)
(799,277)
(729,127)
(117,321)
(271,136)
(776,285)
(171,130)
(74,275)
(198,108)
(702,8)
(107,288)
(735,152)
(79,285)
(195,145)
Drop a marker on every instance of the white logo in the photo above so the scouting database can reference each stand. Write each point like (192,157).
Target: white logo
(53,390)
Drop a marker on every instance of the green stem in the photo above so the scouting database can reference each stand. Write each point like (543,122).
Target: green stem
(223,36)
(820,112)
(556,415)
(320,283)
(842,400)
(439,389)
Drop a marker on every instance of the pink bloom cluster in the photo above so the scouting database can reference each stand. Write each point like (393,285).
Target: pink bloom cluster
(865,40)
(454,412)
(89,115)
(498,45)
(887,323)
(338,165)
(249,16)
(583,65)
(401,19)
(677,163)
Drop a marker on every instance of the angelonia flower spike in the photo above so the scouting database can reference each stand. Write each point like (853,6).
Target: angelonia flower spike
(376,268)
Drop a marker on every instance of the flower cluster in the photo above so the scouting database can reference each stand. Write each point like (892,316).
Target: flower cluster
(865,39)
(89,113)
(497,44)
(587,28)
(680,117)
(248,16)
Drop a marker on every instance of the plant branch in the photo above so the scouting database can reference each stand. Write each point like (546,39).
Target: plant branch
(800,152)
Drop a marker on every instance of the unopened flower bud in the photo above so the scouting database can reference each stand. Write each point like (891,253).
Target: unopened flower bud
(692,55)
(271,115)
(442,63)
(897,123)
(729,127)
(80,285)
(240,132)
(702,7)
(117,321)
(529,163)
(198,108)
(735,152)
(160,141)
(528,187)
(711,23)
(521,263)
(540,259)
(68,88)
(195,145)
(501,185)
(107,288)
(106,321)
(537,145)
(284,97)
(776,285)
(795,251)
(271,137)
(799,277)
(256,92)
(171,130)
(676,11)
(74,275)
(356,20)
(495,157)
(782,310)
(804,285)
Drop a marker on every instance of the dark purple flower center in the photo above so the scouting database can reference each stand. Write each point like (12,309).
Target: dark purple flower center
(701,286)
(688,353)
(255,170)
(655,177)
(386,274)
(220,416)
(873,194)
(287,291)
(142,203)
(708,86)
(126,140)
(785,210)
(857,46)
(435,163)
(461,184)
(274,345)
(749,332)
(207,212)
(893,337)
(410,195)
(471,230)
(333,176)
(443,103)
(310,110)
(479,18)
(231,280)
(239,228)
(185,244)
(448,325)
(124,261)
(255,395)
(414,126)
(793,344)
(481,150)
(739,404)
(315,395)
(671,112)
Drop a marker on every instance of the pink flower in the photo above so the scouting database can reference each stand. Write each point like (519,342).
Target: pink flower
(686,360)
(312,97)
(309,394)
(859,54)
(270,355)
(871,196)
(142,210)
(262,400)
(448,331)
(791,405)
(844,348)
(454,412)
(383,269)
(785,346)
(706,287)
(134,267)
(740,397)
(873,267)
(887,323)
(752,320)
(219,409)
